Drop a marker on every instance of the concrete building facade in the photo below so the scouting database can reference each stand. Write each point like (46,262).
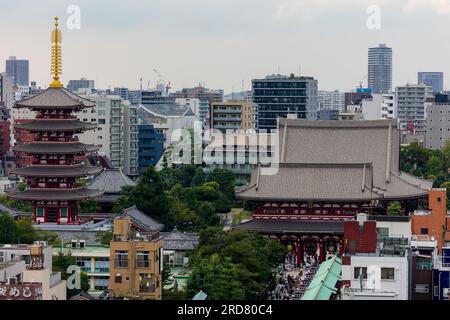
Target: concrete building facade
(411,102)
(279,96)
(117,131)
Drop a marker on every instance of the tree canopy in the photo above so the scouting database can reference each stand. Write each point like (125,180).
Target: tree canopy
(233,265)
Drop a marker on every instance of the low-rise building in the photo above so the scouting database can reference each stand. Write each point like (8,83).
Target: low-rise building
(375,266)
(26,273)
(136,263)
(92,259)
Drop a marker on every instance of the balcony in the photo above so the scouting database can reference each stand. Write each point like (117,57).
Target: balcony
(423,212)
(423,241)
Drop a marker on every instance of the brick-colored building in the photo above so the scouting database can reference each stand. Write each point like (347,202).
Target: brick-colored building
(433,222)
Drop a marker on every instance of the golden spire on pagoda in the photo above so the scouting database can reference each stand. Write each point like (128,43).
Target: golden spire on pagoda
(56,56)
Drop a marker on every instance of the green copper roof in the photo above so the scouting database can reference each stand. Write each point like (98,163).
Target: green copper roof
(324,282)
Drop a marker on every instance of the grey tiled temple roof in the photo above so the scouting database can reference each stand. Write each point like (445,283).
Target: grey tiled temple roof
(293,226)
(324,160)
(180,241)
(141,220)
(57,171)
(111,181)
(55,98)
(57,125)
(55,148)
(56,194)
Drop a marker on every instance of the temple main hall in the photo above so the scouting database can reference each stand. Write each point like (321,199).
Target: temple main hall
(328,172)
(57,158)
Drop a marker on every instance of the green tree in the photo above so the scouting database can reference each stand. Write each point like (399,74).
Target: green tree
(104,237)
(226,181)
(208,215)
(413,159)
(148,196)
(394,209)
(87,206)
(8,229)
(253,255)
(199,177)
(219,278)
(61,263)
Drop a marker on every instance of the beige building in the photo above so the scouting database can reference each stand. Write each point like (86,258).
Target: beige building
(27,271)
(232,115)
(136,263)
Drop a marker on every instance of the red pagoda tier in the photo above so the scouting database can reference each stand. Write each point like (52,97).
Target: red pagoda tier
(55,150)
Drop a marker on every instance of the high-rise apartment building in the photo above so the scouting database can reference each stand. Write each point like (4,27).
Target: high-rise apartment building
(432,79)
(411,107)
(279,96)
(380,69)
(19,70)
(83,83)
(117,131)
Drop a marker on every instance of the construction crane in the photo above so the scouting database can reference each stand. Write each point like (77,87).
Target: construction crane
(161,79)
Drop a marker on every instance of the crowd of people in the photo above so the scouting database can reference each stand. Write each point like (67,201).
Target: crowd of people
(292,281)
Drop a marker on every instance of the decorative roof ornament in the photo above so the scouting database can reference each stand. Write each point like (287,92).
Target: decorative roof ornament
(56,63)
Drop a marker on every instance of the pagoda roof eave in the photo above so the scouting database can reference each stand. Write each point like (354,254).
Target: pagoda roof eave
(57,171)
(47,194)
(55,148)
(55,125)
(55,98)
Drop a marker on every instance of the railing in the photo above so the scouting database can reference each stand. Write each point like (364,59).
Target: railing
(422,212)
(422,237)
(142,263)
(121,263)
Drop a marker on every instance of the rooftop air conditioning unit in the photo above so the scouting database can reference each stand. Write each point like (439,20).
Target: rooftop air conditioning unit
(82,244)
(74,244)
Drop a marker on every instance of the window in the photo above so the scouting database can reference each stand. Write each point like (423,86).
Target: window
(383,232)
(146,283)
(436,291)
(118,278)
(40,212)
(63,212)
(101,121)
(101,112)
(387,274)
(423,230)
(121,259)
(421,288)
(360,270)
(143,259)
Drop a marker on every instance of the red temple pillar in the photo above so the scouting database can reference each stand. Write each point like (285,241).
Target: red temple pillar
(341,248)
(299,252)
(322,251)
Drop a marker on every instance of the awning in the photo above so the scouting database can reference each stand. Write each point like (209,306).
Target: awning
(324,282)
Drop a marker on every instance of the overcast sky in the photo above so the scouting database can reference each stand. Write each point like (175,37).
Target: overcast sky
(222,42)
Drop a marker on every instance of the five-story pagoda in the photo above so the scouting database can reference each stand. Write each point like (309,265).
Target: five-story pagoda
(57,155)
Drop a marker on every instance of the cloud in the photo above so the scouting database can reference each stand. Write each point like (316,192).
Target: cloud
(307,10)
(440,7)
